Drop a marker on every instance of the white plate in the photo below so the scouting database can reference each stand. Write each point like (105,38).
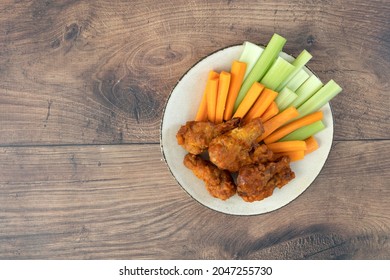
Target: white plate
(181,107)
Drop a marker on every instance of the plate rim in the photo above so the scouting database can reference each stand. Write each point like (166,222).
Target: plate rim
(183,188)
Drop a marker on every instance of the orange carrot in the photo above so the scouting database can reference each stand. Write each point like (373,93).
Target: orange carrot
(223,89)
(211,97)
(271,111)
(249,99)
(280,119)
(290,127)
(237,73)
(287,146)
(294,155)
(201,115)
(212,92)
(265,99)
(311,145)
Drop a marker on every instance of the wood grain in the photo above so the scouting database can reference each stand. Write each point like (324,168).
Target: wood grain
(121,202)
(83,85)
(76,72)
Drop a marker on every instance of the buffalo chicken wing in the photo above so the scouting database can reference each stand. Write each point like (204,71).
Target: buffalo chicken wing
(258,181)
(219,183)
(232,150)
(195,136)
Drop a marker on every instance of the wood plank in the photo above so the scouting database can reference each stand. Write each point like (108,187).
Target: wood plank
(120,201)
(77,72)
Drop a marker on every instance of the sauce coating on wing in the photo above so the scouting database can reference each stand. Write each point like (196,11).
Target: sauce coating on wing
(258,181)
(219,183)
(195,136)
(232,150)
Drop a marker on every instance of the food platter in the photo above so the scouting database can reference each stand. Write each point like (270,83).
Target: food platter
(181,107)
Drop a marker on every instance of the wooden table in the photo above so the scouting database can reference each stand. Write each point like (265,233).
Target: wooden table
(83,85)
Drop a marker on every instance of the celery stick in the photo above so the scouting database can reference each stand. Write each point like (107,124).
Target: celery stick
(250,55)
(320,98)
(304,132)
(306,90)
(277,73)
(285,98)
(298,80)
(299,62)
(262,65)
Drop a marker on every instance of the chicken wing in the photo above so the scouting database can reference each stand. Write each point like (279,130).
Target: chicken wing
(261,154)
(258,181)
(219,183)
(232,150)
(195,136)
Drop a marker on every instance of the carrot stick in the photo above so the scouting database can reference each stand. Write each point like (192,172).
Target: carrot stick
(265,99)
(280,119)
(290,127)
(237,73)
(294,155)
(287,146)
(249,100)
(311,145)
(271,111)
(223,89)
(212,92)
(201,115)
(211,97)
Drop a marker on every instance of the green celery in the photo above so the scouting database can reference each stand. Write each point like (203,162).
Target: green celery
(299,62)
(298,80)
(306,90)
(250,55)
(277,73)
(320,98)
(285,97)
(262,65)
(304,132)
